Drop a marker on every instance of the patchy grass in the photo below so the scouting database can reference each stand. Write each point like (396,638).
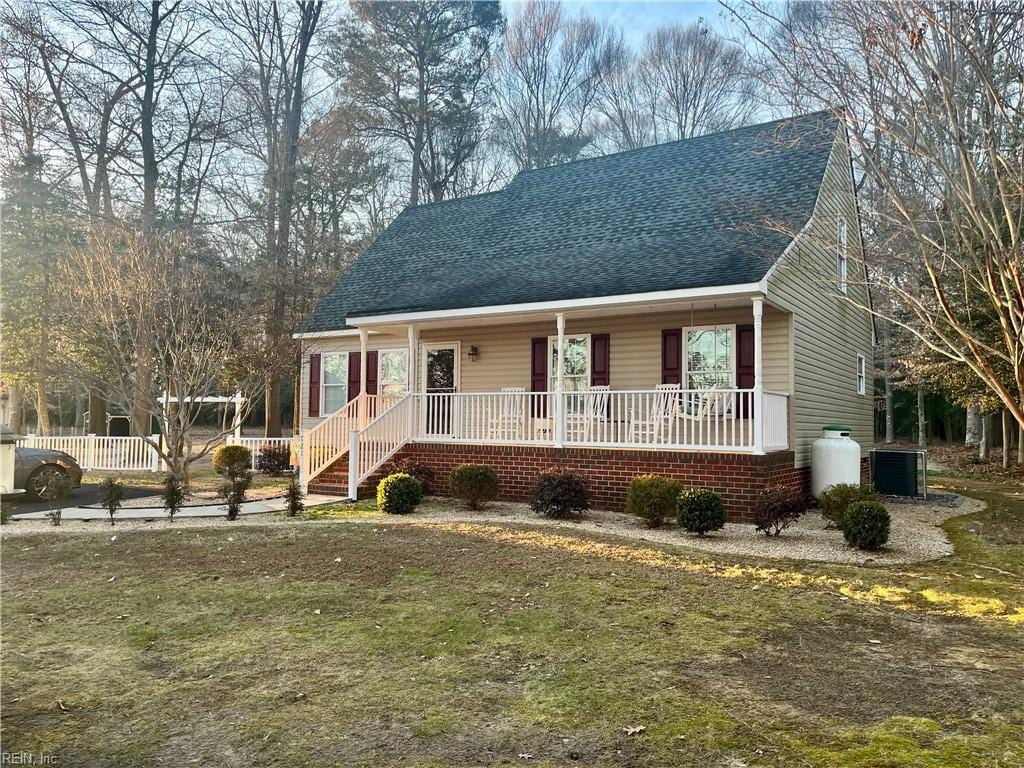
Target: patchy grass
(448,645)
(202,478)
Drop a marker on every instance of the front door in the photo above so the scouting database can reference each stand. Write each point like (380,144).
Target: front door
(440,382)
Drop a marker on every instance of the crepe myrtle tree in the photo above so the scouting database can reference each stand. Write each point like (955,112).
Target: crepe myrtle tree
(123,283)
(932,98)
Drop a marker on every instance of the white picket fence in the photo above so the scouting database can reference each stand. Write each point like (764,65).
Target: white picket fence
(101,452)
(257,444)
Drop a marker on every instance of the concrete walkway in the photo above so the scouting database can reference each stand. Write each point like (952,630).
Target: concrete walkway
(206,510)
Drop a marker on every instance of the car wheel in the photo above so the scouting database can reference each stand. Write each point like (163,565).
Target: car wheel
(38,480)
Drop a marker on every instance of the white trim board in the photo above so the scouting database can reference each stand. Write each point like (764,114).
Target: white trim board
(738,290)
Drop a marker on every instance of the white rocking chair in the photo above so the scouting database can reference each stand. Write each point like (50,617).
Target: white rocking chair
(580,426)
(657,421)
(507,423)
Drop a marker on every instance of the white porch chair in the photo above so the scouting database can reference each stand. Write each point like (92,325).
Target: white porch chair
(657,421)
(507,423)
(580,425)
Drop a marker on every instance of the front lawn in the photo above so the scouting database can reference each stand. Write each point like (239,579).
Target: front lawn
(364,643)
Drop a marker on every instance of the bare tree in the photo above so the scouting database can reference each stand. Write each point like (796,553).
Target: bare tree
(933,101)
(547,79)
(122,284)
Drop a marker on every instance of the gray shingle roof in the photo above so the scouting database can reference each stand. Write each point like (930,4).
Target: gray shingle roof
(686,214)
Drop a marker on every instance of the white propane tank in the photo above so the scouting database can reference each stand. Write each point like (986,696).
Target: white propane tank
(835,460)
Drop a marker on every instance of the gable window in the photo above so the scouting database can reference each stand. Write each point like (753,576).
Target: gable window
(394,371)
(862,380)
(842,257)
(334,382)
(576,377)
(709,354)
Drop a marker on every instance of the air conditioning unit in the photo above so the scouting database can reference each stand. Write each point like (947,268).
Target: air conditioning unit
(900,472)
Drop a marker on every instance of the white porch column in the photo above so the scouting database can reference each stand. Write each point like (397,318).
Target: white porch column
(559,381)
(362,377)
(758,377)
(236,425)
(411,370)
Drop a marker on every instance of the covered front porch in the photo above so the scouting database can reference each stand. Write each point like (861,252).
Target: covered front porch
(672,375)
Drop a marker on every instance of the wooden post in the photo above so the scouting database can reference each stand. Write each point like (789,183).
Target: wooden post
(410,387)
(353,464)
(758,377)
(237,423)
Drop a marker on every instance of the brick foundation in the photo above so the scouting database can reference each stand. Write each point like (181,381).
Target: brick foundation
(738,477)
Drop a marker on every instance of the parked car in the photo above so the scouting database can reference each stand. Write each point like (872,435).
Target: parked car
(35,467)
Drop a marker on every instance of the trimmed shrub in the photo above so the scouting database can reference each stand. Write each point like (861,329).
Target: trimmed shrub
(231,460)
(398,494)
(172,494)
(700,511)
(653,498)
(293,498)
(111,496)
(777,508)
(417,469)
(233,490)
(836,499)
(560,494)
(866,525)
(473,483)
(274,459)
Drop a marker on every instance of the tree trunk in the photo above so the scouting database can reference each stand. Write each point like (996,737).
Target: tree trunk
(922,424)
(1020,446)
(15,407)
(1006,438)
(42,409)
(973,434)
(890,418)
(986,437)
(97,414)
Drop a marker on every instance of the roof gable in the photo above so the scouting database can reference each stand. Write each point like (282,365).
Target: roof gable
(685,214)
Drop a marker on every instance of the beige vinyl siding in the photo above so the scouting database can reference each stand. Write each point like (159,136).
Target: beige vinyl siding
(828,330)
(504,350)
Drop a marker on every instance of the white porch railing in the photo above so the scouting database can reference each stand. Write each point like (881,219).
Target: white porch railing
(776,421)
(101,452)
(328,441)
(689,419)
(378,441)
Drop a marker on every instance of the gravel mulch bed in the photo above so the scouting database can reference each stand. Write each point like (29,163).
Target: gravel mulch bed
(915,532)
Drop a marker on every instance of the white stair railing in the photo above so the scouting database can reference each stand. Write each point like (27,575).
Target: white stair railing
(327,442)
(371,446)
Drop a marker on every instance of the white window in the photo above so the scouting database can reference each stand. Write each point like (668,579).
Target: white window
(333,382)
(394,372)
(576,377)
(710,356)
(842,257)
(862,381)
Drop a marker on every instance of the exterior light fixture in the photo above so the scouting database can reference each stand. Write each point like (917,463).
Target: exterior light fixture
(474,352)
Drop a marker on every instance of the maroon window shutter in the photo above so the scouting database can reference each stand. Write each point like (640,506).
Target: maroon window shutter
(745,356)
(372,373)
(539,372)
(600,360)
(314,385)
(353,375)
(672,356)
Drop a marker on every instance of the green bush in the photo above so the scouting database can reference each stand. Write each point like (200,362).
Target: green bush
(836,499)
(274,459)
(417,469)
(293,498)
(231,460)
(398,494)
(777,508)
(172,495)
(700,511)
(473,483)
(653,498)
(560,494)
(866,525)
